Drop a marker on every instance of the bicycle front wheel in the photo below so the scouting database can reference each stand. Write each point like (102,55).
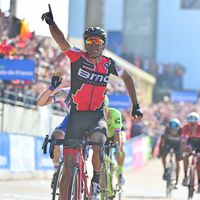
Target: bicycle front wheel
(191,183)
(104,184)
(55,193)
(169,184)
(74,190)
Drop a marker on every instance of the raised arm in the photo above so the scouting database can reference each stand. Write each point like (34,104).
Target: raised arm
(48,96)
(56,33)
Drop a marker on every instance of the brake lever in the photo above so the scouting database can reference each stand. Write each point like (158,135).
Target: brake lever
(51,148)
(44,145)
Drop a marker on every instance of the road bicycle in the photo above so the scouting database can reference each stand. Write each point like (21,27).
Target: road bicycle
(77,187)
(192,174)
(171,173)
(109,179)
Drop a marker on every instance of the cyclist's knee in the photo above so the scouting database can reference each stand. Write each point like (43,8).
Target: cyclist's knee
(98,136)
(58,134)
(188,149)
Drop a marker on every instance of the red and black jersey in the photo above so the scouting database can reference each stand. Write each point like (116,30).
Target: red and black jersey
(89,79)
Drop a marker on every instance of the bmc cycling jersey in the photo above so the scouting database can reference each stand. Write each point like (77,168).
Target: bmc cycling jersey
(114,121)
(191,131)
(89,80)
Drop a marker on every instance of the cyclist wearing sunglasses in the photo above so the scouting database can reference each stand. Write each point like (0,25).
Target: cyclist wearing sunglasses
(171,139)
(90,72)
(191,134)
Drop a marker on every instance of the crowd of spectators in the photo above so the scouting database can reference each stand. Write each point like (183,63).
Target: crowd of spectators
(168,75)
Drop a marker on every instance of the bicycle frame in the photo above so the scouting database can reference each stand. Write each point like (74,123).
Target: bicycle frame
(75,149)
(79,163)
(110,170)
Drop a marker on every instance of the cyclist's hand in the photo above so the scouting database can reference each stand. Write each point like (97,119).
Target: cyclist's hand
(56,80)
(48,16)
(136,112)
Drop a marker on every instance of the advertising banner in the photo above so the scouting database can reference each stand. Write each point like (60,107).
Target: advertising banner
(17,69)
(184,96)
(119,101)
(4,151)
(42,161)
(128,148)
(22,153)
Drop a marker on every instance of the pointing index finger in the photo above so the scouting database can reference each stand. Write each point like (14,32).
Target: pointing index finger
(49,7)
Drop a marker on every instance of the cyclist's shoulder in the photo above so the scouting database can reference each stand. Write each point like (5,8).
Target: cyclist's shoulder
(74,51)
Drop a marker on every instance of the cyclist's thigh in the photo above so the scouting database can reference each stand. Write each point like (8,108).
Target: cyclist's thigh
(98,136)
(84,121)
(177,150)
(60,131)
(165,149)
(98,130)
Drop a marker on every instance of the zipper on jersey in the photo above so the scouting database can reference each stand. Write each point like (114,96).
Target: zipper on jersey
(96,65)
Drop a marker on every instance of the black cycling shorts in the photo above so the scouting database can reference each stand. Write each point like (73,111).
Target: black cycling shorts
(175,145)
(85,122)
(195,143)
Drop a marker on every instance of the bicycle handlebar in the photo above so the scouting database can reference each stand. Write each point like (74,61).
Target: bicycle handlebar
(70,143)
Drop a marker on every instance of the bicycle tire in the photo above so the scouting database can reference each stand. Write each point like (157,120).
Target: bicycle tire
(120,193)
(169,182)
(104,183)
(73,185)
(83,191)
(191,183)
(55,193)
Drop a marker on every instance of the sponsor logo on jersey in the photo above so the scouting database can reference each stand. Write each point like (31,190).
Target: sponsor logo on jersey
(97,79)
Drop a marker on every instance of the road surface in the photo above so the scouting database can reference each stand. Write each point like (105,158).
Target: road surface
(143,184)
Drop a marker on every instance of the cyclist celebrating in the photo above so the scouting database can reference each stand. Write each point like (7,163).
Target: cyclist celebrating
(116,134)
(90,72)
(191,133)
(52,95)
(171,139)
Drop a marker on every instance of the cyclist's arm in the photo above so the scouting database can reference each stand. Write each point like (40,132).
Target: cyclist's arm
(128,81)
(49,97)
(46,98)
(58,36)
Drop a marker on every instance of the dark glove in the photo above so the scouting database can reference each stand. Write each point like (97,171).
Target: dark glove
(136,111)
(55,82)
(48,16)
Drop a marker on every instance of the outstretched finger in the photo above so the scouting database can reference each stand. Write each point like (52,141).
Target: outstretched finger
(49,7)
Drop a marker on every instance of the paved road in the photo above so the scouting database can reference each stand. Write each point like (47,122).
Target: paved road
(143,184)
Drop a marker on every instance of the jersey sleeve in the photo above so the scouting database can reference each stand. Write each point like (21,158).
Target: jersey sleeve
(73,54)
(61,93)
(116,69)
